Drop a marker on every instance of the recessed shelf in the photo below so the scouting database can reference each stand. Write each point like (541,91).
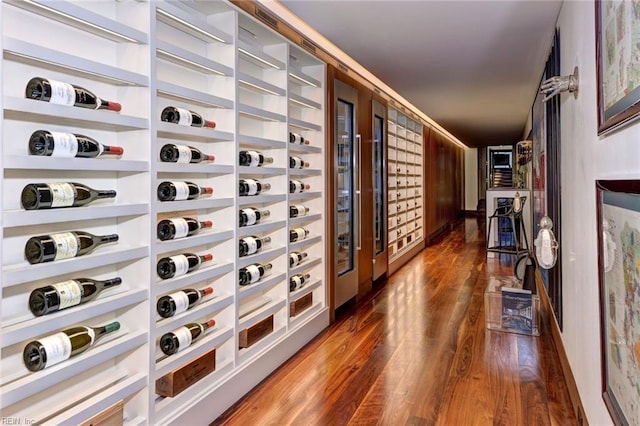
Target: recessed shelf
(83,19)
(205,238)
(216,270)
(299,77)
(259,228)
(204,203)
(175,92)
(305,149)
(24,272)
(303,102)
(305,172)
(38,326)
(44,58)
(23,109)
(304,266)
(260,199)
(206,308)
(36,162)
(304,196)
(299,245)
(253,141)
(305,219)
(261,171)
(305,125)
(13,218)
(190,24)
(295,295)
(271,308)
(260,114)
(188,133)
(187,59)
(261,257)
(208,168)
(256,56)
(252,83)
(261,286)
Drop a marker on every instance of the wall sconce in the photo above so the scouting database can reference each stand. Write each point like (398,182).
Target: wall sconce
(554,85)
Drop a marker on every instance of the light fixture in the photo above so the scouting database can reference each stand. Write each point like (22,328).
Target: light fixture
(302,103)
(187,61)
(259,88)
(554,85)
(297,77)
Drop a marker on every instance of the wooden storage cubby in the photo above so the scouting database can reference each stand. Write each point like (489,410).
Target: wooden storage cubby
(208,57)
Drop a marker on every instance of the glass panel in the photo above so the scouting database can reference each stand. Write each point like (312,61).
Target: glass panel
(378,184)
(345,144)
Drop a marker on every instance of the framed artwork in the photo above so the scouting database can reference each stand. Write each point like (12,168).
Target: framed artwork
(618,63)
(618,213)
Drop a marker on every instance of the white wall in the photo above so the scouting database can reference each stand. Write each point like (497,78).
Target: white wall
(470,179)
(585,158)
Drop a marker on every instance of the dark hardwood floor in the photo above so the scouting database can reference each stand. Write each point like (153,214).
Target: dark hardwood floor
(417,353)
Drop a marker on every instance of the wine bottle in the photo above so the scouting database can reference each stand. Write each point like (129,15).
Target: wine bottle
(298,210)
(178,302)
(295,258)
(297,138)
(180,227)
(251,245)
(298,281)
(181,338)
(58,347)
(64,245)
(37,196)
(65,294)
(250,216)
(179,191)
(298,186)
(253,159)
(298,234)
(297,163)
(57,92)
(251,274)
(172,153)
(175,266)
(252,187)
(185,117)
(59,144)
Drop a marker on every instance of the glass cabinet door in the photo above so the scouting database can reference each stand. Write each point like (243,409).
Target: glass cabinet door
(347,193)
(345,154)
(379,231)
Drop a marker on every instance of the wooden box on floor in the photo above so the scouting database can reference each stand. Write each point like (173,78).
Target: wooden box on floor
(174,382)
(494,309)
(257,331)
(110,416)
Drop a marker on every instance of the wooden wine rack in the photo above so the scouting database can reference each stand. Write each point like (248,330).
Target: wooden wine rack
(209,57)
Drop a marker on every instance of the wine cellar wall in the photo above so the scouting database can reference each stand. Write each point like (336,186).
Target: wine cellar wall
(405,187)
(217,273)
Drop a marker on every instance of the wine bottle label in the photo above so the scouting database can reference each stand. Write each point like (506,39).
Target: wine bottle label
(254,273)
(254,157)
(296,138)
(184,152)
(69,292)
(182,227)
(300,233)
(252,245)
(297,162)
(62,194)
(294,259)
(66,245)
(185,117)
(297,280)
(182,190)
(184,337)
(181,300)
(57,347)
(297,186)
(64,144)
(251,216)
(302,211)
(62,93)
(182,264)
(253,186)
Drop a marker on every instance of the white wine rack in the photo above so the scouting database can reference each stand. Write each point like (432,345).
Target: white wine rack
(405,184)
(208,57)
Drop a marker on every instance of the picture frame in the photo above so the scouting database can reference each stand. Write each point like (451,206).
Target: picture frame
(618,226)
(617,63)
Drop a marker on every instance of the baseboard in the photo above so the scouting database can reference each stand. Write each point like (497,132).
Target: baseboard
(551,324)
(404,258)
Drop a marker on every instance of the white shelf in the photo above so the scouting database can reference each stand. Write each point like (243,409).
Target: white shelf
(260,171)
(190,24)
(261,199)
(184,94)
(304,125)
(259,287)
(260,314)
(23,109)
(262,256)
(256,56)
(205,238)
(179,56)
(305,172)
(247,81)
(304,219)
(206,308)
(304,149)
(253,141)
(13,218)
(304,266)
(301,101)
(304,196)
(260,228)
(83,19)
(301,78)
(204,203)
(208,168)
(298,245)
(35,162)
(175,131)
(260,114)
(184,281)
(42,57)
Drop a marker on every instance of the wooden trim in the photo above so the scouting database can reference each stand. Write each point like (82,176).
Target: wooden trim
(550,323)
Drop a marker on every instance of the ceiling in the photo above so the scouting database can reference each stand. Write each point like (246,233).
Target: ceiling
(473,66)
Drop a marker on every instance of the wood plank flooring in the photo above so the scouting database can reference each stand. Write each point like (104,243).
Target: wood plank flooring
(417,353)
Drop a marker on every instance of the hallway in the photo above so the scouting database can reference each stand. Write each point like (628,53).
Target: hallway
(417,353)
